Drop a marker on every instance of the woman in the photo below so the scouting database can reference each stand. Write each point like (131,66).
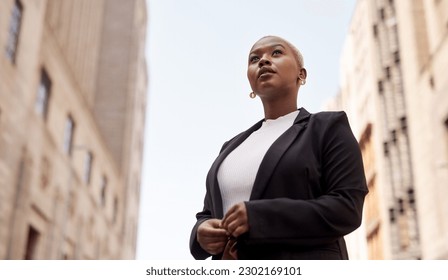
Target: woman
(289,187)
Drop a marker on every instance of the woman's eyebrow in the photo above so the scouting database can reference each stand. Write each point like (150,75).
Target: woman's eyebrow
(271,46)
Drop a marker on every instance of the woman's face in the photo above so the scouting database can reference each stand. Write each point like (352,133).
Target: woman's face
(272,68)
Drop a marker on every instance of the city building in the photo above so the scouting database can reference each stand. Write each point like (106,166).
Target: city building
(73,85)
(394,88)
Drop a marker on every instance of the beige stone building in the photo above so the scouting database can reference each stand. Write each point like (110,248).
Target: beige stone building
(73,84)
(395,89)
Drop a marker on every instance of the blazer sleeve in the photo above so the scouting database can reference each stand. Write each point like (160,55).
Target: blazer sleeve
(196,249)
(326,218)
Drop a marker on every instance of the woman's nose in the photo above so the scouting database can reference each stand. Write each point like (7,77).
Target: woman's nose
(264,61)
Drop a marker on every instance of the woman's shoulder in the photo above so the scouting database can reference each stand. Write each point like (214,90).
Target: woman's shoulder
(327,119)
(322,116)
(329,115)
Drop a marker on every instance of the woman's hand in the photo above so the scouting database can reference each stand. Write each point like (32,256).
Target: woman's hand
(211,236)
(235,221)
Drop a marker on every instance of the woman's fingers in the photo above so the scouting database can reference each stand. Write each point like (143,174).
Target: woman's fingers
(240,230)
(213,234)
(234,213)
(237,227)
(211,228)
(235,221)
(211,237)
(216,248)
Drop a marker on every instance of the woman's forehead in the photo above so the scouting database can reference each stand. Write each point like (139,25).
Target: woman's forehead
(269,41)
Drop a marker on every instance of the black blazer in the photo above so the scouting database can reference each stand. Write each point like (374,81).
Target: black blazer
(308,193)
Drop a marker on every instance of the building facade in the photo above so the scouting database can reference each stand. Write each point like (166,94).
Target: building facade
(395,92)
(73,85)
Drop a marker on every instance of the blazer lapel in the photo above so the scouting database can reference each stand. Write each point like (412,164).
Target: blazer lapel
(275,152)
(214,186)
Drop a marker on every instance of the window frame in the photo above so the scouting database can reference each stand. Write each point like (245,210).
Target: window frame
(69,132)
(15,26)
(88,163)
(103,190)
(43,94)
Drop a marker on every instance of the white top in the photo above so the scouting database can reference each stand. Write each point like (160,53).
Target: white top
(236,175)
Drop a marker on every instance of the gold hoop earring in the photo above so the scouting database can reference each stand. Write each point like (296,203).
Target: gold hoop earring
(252,95)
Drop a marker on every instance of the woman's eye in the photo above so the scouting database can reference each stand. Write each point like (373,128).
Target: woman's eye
(277,52)
(253,59)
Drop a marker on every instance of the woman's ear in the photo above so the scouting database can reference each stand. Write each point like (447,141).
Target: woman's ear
(302,74)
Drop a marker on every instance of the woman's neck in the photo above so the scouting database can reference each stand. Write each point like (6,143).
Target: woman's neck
(276,109)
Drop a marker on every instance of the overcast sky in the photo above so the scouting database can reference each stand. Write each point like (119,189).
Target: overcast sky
(198,95)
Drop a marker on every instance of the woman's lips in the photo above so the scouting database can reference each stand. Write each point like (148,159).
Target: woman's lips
(265,75)
(265,72)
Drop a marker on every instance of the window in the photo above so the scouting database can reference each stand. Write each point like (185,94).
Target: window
(375,30)
(387,72)
(394,136)
(391,3)
(380,87)
(397,57)
(14,30)
(401,206)
(403,124)
(431,82)
(382,14)
(392,215)
(386,148)
(68,135)
(88,167)
(43,95)
(411,197)
(31,244)
(103,190)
